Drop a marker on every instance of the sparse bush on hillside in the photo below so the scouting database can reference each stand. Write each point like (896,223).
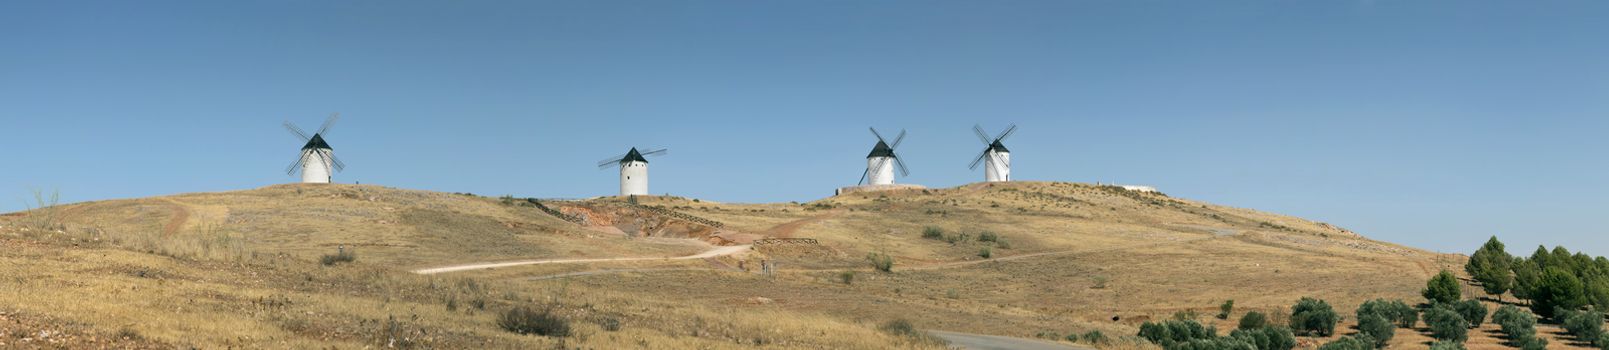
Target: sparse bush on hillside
(1396,311)
(343,256)
(1378,328)
(881,261)
(985,253)
(1002,243)
(1225,309)
(1313,317)
(1095,337)
(987,236)
(1473,312)
(1446,324)
(847,277)
(904,329)
(526,321)
(1253,320)
(932,232)
(44,214)
(1100,282)
(1442,289)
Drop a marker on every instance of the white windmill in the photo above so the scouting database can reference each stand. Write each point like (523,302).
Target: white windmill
(633,170)
(881,162)
(995,157)
(317,161)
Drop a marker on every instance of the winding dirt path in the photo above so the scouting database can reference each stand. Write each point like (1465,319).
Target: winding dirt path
(181,215)
(717,252)
(786,230)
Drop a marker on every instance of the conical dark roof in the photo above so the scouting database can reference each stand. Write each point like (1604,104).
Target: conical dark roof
(633,156)
(881,150)
(999,147)
(317,143)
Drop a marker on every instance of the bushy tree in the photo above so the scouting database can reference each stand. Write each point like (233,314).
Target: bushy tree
(1351,342)
(1492,266)
(1472,310)
(1447,345)
(1520,326)
(1213,344)
(1313,317)
(1225,309)
(1377,328)
(1559,289)
(1267,338)
(1446,324)
(1527,277)
(1443,288)
(1586,326)
(1253,320)
(1173,332)
(1394,310)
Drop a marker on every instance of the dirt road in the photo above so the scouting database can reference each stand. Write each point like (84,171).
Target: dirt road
(966,341)
(718,251)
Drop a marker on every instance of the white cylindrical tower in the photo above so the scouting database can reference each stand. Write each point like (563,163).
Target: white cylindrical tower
(997,167)
(880,170)
(633,178)
(316,169)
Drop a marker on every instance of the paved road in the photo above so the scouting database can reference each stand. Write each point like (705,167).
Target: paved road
(719,251)
(966,341)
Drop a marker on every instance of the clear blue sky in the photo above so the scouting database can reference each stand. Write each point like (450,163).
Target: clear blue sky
(1429,123)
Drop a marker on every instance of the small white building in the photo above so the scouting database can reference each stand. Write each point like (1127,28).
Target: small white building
(317,161)
(880,165)
(633,174)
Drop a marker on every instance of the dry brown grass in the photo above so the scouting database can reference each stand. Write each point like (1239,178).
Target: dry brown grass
(1076,256)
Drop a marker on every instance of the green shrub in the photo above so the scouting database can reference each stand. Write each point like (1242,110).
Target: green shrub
(1095,337)
(985,253)
(881,261)
(1267,338)
(1378,328)
(1170,333)
(343,256)
(1472,310)
(1253,320)
(1443,289)
(933,233)
(1586,326)
(1213,344)
(1351,342)
(1225,309)
(1071,337)
(526,321)
(1518,324)
(1446,324)
(847,277)
(904,329)
(987,236)
(1313,317)
(1394,310)
(1447,345)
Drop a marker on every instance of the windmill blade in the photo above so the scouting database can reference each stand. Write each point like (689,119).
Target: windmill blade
(863,176)
(979,159)
(608,163)
(982,136)
(659,152)
(339,165)
(898,139)
(325,130)
(291,170)
(1007,133)
(879,136)
(901,165)
(297,131)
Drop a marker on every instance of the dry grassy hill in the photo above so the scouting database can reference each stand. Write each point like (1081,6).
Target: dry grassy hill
(241,268)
